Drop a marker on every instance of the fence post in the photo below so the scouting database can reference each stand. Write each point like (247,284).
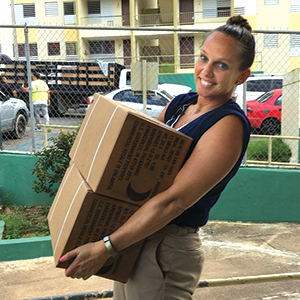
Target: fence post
(27,53)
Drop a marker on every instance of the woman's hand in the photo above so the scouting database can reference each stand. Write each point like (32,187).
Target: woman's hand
(88,260)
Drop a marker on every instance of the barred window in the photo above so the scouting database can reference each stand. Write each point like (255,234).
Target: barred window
(53,49)
(295,6)
(102,47)
(33,50)
(71,49)
(295,45)
(270,40)
(94,7)
(51,9)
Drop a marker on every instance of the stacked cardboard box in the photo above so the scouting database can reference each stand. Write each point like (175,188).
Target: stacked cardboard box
(119,160)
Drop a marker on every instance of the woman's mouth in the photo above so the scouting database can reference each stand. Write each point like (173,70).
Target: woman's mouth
(206,83)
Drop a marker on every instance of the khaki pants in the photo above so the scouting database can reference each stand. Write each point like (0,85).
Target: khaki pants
(168,267)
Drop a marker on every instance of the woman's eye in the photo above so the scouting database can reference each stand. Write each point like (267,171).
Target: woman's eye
(223,66)
(203,58)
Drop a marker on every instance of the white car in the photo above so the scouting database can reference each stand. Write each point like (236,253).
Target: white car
(156,100)
(14,116)
(174,89)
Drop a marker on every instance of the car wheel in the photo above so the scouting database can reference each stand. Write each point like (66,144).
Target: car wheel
(19,126)
(271,126)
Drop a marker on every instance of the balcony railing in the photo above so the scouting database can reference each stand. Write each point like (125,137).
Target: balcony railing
(105,20)
(156,19)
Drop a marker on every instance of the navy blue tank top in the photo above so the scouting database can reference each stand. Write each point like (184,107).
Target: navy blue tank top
(197,215)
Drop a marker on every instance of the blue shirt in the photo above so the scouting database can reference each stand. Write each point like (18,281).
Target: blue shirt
(197,215)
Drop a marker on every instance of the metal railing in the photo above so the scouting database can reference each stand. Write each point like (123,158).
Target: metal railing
(201,284)
(270,161)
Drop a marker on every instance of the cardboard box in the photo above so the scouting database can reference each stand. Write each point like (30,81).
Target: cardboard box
(78,216)
(127,155)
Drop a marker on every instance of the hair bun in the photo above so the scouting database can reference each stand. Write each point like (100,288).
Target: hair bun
(239,21)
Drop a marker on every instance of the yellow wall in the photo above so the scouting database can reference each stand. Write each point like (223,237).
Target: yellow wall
(273,17)
(295,22)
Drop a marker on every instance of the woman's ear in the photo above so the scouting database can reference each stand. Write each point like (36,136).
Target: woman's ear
(243,77)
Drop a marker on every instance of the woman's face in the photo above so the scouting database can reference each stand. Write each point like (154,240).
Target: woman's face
(217,68)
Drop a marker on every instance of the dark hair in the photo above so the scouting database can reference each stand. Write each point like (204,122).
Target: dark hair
(239,29)
(36,75)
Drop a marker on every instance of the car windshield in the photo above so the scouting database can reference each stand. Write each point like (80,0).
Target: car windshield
(264,97)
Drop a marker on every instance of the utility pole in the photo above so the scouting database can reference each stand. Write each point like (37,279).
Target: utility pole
(13,20)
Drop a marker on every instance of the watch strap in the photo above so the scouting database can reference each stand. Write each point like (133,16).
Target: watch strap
(109,246)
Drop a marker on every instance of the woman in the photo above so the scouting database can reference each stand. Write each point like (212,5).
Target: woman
(170,262)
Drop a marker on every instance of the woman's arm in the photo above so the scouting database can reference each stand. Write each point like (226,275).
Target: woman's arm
(212,159)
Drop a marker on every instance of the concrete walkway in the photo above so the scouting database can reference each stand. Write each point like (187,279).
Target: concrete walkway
(231,249)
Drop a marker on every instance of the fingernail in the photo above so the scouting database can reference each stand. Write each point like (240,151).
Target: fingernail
(62,259)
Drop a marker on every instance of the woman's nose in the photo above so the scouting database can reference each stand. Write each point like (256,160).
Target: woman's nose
(208,70)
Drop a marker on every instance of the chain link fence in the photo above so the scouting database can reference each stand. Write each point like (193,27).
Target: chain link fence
(78,61)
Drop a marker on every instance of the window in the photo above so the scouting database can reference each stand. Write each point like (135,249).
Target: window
(69,8)
(223,8)
(25,13)
(102,47)
(270,40)
(51,9)
(271,2)
(295,45)
(29,10)
(94,7)
(295,6)
(187,52)
(69,13)
(278,101)
(244,7)
(33,50)
(71,49)
(53,49)
(216,8)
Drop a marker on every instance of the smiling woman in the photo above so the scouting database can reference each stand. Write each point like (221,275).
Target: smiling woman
(170,262)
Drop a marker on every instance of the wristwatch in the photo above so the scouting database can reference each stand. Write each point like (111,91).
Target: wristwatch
(109,246)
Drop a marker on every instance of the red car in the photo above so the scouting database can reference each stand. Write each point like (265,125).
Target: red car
(264,113)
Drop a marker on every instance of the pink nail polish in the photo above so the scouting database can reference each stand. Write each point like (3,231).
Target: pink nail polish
(62,259)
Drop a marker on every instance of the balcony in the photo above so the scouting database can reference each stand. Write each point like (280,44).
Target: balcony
(148,19)
(104,20)
(184,18)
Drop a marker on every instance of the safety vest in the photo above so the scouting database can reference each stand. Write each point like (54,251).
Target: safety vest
(39,90)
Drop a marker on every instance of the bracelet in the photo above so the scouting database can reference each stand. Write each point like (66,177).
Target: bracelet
(109,246)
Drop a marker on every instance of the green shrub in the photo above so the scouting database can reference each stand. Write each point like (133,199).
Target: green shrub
(258,150)
(24,221)
(52,163)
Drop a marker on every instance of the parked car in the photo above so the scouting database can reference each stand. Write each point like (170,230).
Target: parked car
(264,113)
(14,116)
(256,85)
(156,100)
(174,89)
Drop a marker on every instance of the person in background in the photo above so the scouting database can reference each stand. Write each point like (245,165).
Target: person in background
(170,262)
(40,99)
(8,89)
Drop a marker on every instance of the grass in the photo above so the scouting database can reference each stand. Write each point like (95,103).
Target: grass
(24,221)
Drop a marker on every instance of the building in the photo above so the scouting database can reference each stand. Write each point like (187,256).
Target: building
(117,42)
